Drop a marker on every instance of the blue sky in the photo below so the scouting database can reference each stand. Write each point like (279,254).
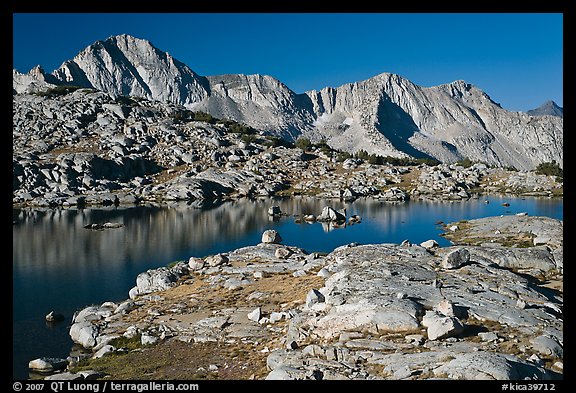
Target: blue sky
(517,59)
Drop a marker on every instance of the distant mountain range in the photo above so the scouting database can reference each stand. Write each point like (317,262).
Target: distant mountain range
(547,108)
(386,114)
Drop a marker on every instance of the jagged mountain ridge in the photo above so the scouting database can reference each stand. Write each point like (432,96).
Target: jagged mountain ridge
(385,114)
(261,101)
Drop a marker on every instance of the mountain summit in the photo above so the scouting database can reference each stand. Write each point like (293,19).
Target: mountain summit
(124,65)
(547,108)
(386,114)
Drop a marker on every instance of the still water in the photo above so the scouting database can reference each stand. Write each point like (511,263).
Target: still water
(59,265)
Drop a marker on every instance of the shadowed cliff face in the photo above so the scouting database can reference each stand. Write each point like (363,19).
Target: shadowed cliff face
(448,122)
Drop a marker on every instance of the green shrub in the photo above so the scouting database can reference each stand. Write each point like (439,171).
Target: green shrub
(127,343)
(303,143)
(343,156)
(173,263)
(274,141)
(323,146)
(87,90)
(362,155)
(205,117)
(375,159)
(61,90)
(183,115)
(427,161)
(466,163)
(550,169)
(248,138)
(326,150)
(126,101)
(240,128)
(511,168)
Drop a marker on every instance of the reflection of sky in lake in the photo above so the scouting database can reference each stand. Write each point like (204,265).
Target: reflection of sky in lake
(58,265)
(414,221)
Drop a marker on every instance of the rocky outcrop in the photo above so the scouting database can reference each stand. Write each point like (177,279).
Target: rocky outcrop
(449,182)
(379,311)
(271,236)
(376,292)
(33,81)
(386,114)
(47,365)
(156,280)
(328,214)
(522,183)
(537,243)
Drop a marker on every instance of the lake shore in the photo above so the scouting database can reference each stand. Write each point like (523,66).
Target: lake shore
(488,307)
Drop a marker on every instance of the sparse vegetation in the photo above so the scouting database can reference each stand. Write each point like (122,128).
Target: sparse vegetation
(395,161)
(126,101)
(173,263)
(129,344)
(205,117)
(324,148)
(239,128)
(183,115)
(466,162)
(87,90)
(186,115)
(511,168)
(249,138)
(274,141)
(238,361)
(550,169)
(303,143)
(362,155)
(61,90)
(343,156)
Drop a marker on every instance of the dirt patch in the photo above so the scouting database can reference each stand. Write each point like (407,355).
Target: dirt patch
(557,285)
(174,359)
(197,298)
(468,235)
(409,179)
(86,145)
(170,173)
(277,289)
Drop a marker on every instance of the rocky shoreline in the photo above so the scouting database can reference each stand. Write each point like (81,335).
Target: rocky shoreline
(86,148)
(487,307)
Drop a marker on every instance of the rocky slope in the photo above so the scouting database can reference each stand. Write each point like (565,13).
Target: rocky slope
(85,147)
(447,122)
(386,114)
(363,312)
(260,101)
